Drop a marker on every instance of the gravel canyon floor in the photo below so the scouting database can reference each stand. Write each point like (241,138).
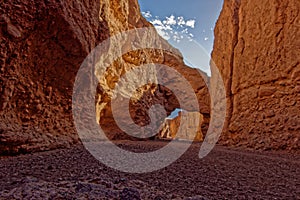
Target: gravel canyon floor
(224,174)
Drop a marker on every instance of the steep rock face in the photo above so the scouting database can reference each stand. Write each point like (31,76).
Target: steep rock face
(43,44)
(150,94)
(181,127)
(257,52)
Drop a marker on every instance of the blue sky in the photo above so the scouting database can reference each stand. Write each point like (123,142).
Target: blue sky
(185,24)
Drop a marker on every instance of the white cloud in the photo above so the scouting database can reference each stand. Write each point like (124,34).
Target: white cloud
(170,20)
(147,14)
(181,21)
(156,22)
(185,31)
(172,27)
(191,23)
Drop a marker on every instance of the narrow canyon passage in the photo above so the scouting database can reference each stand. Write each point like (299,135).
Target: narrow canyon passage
(49,46)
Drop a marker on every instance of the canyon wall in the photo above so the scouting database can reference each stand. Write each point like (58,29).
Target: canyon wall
(256,49)
(43,44)
(181,127)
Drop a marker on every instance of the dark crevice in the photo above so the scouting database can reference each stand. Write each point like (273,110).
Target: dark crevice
(236,21)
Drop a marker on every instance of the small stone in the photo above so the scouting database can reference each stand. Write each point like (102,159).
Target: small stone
(123,179)
(158,198)
(39,107)
(49,167)
(29,43)
(129,194)
(13,31)
(82,188)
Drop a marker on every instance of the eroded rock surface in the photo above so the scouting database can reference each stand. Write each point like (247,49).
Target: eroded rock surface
(182,126)
(43,44)
(257,52)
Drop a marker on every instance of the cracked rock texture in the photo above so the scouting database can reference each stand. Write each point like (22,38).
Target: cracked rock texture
(182,126)
(257,52)
(123,17)
(43,44)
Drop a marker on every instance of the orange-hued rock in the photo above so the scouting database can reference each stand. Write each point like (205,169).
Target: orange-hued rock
(184,126)
(43,44)
(257,52)
(149,94)
(42,47)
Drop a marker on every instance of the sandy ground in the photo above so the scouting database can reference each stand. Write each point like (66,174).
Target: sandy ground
(224,174)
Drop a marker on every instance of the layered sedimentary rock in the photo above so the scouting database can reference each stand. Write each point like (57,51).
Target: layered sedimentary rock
(257,52)
(182,127)
(43,44)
